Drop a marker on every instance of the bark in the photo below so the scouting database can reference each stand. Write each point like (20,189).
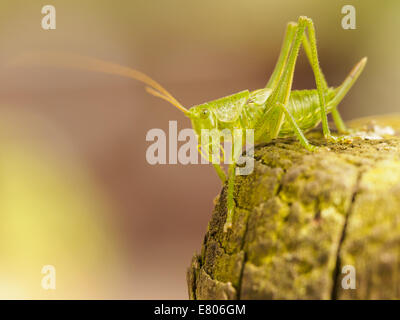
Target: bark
(301,217)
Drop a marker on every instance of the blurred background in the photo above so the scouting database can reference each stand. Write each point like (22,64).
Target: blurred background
(76,190)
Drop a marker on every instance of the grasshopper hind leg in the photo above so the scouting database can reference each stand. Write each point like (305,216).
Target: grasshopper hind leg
(341,92)
(279,97)
(285,50)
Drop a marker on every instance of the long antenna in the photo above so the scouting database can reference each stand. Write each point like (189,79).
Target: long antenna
(92,64)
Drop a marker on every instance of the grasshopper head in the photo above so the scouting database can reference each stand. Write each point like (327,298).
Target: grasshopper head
(202,117)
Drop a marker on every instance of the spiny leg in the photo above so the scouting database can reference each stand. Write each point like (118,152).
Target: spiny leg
(319,79)
(280,95)
(235,153)
(340,125)
(310,47)
(220,172)
(342,90)
(230,202)
(217,166)
(337,119)
(307,49)
(298,132)
(286,44)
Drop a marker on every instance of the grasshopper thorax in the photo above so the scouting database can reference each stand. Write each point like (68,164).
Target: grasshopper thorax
(218,114)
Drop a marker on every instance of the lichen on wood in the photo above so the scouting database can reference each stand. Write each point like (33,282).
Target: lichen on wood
(301,216)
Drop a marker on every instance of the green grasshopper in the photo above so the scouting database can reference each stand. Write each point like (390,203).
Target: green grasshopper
(272,112)
(276,110)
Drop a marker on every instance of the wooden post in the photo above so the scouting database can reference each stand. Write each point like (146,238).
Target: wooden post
(302,217)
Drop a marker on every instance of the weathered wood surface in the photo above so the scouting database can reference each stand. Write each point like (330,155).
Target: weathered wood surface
(302,216)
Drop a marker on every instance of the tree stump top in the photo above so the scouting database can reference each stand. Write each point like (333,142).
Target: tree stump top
(302,216)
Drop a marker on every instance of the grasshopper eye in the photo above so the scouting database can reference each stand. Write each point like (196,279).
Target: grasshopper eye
(204,113)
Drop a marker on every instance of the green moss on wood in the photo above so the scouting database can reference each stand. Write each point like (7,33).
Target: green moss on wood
(301,217)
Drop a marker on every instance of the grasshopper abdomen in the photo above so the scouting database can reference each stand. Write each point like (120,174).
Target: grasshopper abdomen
(304,105)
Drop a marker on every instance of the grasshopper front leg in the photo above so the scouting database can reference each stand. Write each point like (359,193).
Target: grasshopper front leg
(230,202)
(218,169)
